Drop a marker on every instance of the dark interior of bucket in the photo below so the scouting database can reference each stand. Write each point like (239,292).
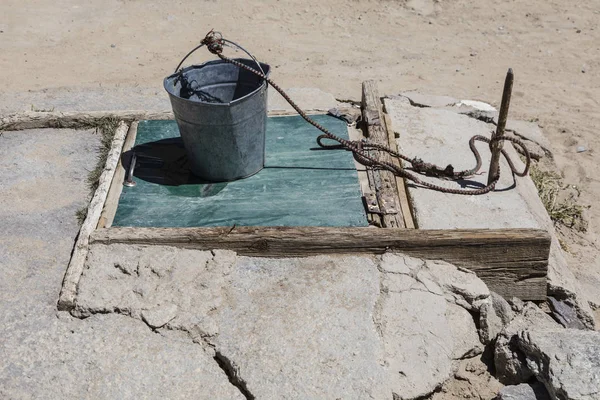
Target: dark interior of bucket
(216,81)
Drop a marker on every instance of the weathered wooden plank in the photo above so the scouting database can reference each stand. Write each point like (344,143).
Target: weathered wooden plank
(385,181)
(75,268)
(512,262)
(85,119)
(403,199)
(116,186)
(373,217)
(73,120)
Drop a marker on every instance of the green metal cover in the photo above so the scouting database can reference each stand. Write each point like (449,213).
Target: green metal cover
(301,184)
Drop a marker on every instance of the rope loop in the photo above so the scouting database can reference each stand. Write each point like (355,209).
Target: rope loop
(214,42)
(362,150)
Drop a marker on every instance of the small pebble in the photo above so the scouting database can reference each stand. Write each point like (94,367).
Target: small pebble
(113,45)
(581,149)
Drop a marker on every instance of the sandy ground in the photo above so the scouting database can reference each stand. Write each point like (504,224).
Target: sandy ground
(448,47)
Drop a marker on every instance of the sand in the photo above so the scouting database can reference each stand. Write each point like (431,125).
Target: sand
(447,47)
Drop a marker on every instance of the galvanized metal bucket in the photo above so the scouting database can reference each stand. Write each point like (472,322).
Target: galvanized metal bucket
(222,118)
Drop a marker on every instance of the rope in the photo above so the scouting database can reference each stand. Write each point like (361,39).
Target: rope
(215,42)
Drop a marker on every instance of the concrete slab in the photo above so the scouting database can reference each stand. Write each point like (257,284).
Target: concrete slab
(441,137)
(315,327)
(50,355)
(423,100)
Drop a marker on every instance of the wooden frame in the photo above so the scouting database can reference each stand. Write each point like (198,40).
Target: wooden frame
(383,181)
(116,187)
(68,293)
(512,262)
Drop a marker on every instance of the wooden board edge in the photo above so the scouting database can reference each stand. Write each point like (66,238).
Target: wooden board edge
(85,119)
(355,134)
(116,187)
(403,196)
(278,241)
(513,262)
(383,181)
(74,119)
(68,293)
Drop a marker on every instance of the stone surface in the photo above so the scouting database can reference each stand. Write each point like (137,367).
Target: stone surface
(423,328)
(303,328)
(478,105)
(562,283)
(567,361)
(50,355)
(104,357)
(511,368)
(472,380)
(565,313)
(317,327)
(159,316)
(420,359)
(494,315)
(464,332)
(441,137)
(524,391)
(284,328)
(424,100)
(460,285)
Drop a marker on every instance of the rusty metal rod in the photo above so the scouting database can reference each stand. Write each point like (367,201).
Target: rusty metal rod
(496,146)
(129,182)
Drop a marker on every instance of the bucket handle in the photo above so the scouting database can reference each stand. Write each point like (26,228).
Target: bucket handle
(226,41)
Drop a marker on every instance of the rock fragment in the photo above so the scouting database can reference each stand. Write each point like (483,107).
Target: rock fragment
(494,315)
(426,322)
(565,313)
(524,391)
(567,361)
(511,366)
(464,333)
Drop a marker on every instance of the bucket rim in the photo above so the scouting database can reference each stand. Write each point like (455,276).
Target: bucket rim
(195,66)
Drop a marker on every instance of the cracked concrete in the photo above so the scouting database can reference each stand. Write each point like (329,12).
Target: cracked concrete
(45,354)
(438,131)
(156,322)
(316,327)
